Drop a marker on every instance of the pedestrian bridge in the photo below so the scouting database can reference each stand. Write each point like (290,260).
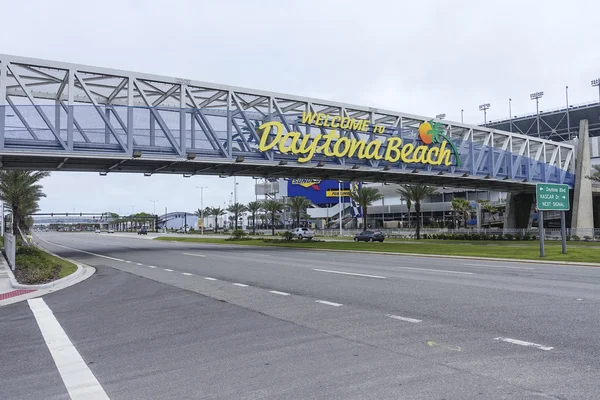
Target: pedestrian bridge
(66,117)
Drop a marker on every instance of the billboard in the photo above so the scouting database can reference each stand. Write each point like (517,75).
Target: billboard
(318,191)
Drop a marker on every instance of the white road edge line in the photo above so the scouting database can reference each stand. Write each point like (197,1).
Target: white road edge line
(128,262)
(413,320)
(240,285)
(209,279)
(77,377)
(186,273)
(349,273)
(328,303)
(82,251)
(496,266)
(437,270)
(168,270)
(524,343)
(195,255)
(152,266)
(139,264)
(279,293)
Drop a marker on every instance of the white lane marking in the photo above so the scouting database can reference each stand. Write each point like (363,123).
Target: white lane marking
(151,266)
(524,343)
(195,255)
(128,262)
(495,266)
(186,273)
(168,270)
(328,303)
(437,270)
(349,273)
(77,377)
(139,264)
(279,293)
(82,251)
(209,279)
(413,320)
(240,285)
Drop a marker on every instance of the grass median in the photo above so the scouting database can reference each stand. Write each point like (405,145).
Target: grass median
(35,266)
(522,250)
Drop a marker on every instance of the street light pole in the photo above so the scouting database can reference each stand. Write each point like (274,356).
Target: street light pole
(201,207)
(484,108)
(510,113)
(537,96)
(340,206)
(461,115)
(154,206)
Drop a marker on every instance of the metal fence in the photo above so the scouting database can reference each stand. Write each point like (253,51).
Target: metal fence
(10,248)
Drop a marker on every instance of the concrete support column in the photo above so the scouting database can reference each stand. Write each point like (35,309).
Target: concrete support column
(582,222)
(518,211)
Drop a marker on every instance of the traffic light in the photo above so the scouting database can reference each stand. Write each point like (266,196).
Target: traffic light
(67,214)
(80,214)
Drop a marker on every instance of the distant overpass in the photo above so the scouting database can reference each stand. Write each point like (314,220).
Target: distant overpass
(58,116)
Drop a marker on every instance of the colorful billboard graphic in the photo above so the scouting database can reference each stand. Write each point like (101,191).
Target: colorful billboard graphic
(318,191)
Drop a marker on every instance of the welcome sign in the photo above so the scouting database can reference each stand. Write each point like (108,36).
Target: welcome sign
(437,148)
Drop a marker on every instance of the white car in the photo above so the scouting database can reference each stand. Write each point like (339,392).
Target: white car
(110,231)
(97,231)
(303,233)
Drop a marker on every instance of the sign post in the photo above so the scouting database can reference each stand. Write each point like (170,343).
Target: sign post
(552,197)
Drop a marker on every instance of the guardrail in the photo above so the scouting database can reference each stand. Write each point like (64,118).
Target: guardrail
(10,248)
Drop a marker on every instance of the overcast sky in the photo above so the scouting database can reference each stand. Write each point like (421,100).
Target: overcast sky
(421,57)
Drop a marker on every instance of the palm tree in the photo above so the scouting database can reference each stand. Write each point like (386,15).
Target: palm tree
(254,207)
(462,207)
(417,193)
(488,208)
(365,196)
(273,207)
(596,174)
(217,212)
(21,192)
(236,209)
(299,204)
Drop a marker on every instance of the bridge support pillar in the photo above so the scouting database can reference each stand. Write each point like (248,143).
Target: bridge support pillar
(518,210)
(582,222)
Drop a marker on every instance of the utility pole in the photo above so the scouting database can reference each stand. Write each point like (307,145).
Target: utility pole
(201,207)
(537,96)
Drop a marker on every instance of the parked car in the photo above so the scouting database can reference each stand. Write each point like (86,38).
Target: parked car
(303,233)
(97,231)
(369,236)
(143,231)
(110,231)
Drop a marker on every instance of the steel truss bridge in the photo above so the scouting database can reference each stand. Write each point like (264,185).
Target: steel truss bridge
(59,116)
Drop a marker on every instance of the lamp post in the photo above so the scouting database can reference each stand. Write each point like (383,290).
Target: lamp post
(510,113)
(201,207)
(596,83)
(484,108)
(461,115)
(154,206)
(537,96)
(235,185)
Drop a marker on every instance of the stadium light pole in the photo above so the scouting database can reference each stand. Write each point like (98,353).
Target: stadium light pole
(510,113)
(596,82)
(440,116)
(484,108)
(537,96)
(201,207)
(461,115)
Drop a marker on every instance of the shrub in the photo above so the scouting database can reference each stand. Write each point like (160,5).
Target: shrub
(575,237)
(587,238)
(527,236)
(237,234)
(518,236)
(509,236)
(426,236)
(287,236)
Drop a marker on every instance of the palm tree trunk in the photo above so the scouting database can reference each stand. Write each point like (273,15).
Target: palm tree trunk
(418,210)
(236,221)
(364,210)
(297,218)
(273,224)
(216,222)
(254,223)
(15,218)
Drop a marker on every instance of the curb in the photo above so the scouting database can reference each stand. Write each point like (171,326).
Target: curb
(62,282)
(514,260)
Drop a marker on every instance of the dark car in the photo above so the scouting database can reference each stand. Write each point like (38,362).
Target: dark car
(369,236)
(143,231)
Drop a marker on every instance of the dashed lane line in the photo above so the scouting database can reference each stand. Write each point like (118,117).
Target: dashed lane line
(168,270)
(279,293)
(77,377)
(152,266)
(406,319)
(195,255)
(496,266)
(186,273)
(349,273)
(328,303)
(209,279)
(524,343)
(436,270)
(240,285)
(139,264)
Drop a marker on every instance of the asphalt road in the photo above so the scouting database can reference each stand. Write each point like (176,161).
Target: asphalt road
(182,320)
